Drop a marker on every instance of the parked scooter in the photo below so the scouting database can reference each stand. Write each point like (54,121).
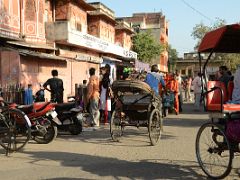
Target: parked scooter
(43,118)
(70,116)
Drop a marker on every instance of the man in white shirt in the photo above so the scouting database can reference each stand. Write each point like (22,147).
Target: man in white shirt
(180,99)
(197,88)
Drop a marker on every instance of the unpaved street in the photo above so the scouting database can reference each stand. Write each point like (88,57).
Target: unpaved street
(92,155)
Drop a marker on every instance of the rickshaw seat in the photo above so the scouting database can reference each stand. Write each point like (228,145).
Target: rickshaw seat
(214,98)
(230,89)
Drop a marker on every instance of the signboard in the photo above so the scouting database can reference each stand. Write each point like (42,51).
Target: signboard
(62,31)
(89,41)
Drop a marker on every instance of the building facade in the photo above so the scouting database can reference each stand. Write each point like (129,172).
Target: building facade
(158,26)
(189,65)
(40,35)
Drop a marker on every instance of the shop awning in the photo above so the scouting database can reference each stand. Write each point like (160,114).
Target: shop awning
(222,40)
(111,59)
(40,55)
(30,45)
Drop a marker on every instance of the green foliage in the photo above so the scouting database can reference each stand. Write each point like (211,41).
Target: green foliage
(201,29)
(230,60)
(172,58)
(146,46)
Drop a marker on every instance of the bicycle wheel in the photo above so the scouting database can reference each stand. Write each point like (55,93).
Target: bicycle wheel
(115,126)
(213,151)
(154,126)
(16,130)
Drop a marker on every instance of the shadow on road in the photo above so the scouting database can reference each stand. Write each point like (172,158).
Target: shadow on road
(102,136)
(66,178)
(187,118)
(184,122)
(113,167)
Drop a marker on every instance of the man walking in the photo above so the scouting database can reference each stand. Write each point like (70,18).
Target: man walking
(197,85)
(180,99)
(93,96)
(56,87)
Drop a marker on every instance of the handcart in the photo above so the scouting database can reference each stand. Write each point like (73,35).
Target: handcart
(135,105)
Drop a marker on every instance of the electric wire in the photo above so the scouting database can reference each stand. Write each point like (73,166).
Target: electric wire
(197,11)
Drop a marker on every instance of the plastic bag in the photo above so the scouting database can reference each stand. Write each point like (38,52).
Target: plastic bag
(110,92)
(233,130)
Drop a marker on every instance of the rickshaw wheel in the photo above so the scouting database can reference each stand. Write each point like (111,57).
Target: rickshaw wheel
(16,131)
(213,151)
(154,126)
(116,129)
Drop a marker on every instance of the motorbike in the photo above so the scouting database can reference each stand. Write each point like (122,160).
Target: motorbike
(43,118)
(69,114)
(70,117)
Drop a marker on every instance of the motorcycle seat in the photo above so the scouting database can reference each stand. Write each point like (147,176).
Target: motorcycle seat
(26,108)
(79,109)
(65,106)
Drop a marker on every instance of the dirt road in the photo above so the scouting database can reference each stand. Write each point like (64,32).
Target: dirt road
(93,155)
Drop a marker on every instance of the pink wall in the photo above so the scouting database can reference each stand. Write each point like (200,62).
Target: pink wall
(35,71)
(119,37)
(32,70)
(101,28)
(9,67)
(123,38)
(93,26)
(27,23)
(72,12)
(107,31)
(10,18)
(33,21)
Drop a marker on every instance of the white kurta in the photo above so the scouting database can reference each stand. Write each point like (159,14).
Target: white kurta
(103,100)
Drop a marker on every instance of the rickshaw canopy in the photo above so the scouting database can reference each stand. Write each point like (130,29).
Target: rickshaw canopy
(222,40)
(131,85)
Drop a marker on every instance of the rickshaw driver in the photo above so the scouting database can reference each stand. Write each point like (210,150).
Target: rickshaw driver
(153,79)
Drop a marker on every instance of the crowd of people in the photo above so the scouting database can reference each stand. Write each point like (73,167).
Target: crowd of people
(99,94)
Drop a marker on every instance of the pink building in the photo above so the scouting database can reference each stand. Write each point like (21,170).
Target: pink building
(103,24)
(38,36)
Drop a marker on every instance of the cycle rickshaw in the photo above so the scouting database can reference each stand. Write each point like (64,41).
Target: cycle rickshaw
(216,143)
(15,128)
(135,105)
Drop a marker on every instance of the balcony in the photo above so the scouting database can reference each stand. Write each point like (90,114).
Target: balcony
(61,32)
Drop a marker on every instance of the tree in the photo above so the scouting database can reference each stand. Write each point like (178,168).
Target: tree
(230,60)
(198,33)
(200,30)
(172,57)
(146,46)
